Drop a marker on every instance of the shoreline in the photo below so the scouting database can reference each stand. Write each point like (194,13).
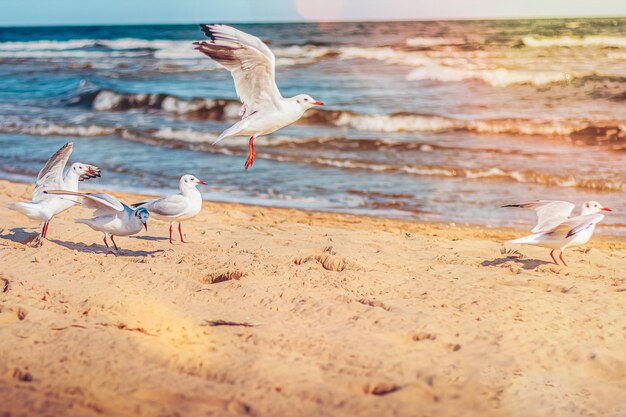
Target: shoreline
(283,312)
(510,232)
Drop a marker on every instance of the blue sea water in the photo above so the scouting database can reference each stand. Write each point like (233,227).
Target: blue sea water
(438,121)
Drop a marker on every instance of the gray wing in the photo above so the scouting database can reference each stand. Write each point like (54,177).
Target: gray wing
(580,223)
(550,214)
(51,175)
(101,202)
(250,62)
(169,206)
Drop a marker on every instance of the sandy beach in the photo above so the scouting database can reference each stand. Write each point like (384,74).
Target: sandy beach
(278,312)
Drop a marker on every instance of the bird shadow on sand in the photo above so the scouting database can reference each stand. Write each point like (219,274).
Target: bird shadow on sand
(525,263)
(101,249)
(18,235)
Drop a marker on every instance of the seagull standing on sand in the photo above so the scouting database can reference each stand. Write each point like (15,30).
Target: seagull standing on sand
(178,207)
(252,65)
(111,217)
(555,228)
(53,176)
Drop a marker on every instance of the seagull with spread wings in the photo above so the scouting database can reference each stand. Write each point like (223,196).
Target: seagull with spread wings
(252,66)
(111,217)
(555,228)
(54,176)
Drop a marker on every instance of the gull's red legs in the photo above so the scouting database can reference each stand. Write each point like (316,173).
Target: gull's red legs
(105,240)
(44,230)
(180,232)
(251,153)
(171,233)
(561,257)
(552,255)
(114,245)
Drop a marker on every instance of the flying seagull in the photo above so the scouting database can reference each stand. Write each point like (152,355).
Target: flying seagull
(54,176)
(555,228)
(252,65)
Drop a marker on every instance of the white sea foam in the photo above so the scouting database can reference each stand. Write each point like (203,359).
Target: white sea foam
(498,77)
(46,45)
(84,54)
(431,123)
(185,135)
(180,53)
(395,123)
(428,42)
(573,41)
(53,129)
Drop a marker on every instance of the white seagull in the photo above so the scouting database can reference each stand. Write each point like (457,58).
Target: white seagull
(111,217)
(53,176)
(555,228)
(178,207)
(252,66)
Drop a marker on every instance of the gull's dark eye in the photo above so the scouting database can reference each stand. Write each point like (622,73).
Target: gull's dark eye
(306,99)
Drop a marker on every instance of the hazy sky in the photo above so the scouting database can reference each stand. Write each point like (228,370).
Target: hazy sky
(51,12)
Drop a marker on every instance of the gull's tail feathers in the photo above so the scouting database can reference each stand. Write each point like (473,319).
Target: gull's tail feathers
(234,130)
(536,238)
(26,208)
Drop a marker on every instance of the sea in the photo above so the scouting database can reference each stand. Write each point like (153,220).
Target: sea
(442,121)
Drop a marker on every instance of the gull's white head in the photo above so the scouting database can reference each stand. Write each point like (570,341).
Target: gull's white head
(189,181)
(143,215)
(305,101)
(85,171)
(592,207)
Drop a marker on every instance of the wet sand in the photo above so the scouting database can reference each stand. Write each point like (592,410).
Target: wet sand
(278,312)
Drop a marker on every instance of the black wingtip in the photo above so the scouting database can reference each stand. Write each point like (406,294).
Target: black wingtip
(207,31)
(512,205)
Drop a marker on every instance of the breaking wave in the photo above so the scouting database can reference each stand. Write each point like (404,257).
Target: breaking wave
(53,129)
(272,150)
(498,77)
(422,42)
(277,148)
(573,41)
(159,49)
(577,130)
(597,184)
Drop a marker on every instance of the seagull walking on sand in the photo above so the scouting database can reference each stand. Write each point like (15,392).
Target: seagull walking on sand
(252,66)
(555,228)
(54,176)
(111,217)
(179,207)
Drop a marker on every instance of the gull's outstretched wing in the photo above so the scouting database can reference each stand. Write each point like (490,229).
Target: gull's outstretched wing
(170,206)
(101,202)
(250,62)
(580,223)
(550,214)
(51,175)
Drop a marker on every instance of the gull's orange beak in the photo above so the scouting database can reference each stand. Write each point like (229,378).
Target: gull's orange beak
(201,182)
(318,103)
(606,209)
(91,171)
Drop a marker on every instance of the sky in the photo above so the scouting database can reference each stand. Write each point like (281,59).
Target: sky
(77,12)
